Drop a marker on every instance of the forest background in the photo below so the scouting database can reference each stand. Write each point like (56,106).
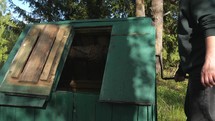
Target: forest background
(170,94)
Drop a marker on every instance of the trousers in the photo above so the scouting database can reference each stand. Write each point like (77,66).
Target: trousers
(199,102)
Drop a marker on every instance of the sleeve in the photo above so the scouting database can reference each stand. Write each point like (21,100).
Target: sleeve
(180,71)
(203,12)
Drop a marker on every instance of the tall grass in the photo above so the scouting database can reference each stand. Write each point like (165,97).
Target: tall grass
(170,99)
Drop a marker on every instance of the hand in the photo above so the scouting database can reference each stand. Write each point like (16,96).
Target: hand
(179,78)
(208,74)
(208,69)
(179,75)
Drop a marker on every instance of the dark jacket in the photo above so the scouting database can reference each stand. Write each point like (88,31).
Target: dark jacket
(196,22)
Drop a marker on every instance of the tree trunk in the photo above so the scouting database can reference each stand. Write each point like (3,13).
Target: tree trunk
(157,12)
(140,8)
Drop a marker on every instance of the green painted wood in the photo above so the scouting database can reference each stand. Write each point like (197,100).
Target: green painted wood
(7,114)
(146,113)
(133,27)
(19,101)
(95,22)
(68,106)
(27,90)
(110,22)
(24,114)
(2,113)
(48,113)
(60,108)
(103,111)
(64,106)
(143,113)
(124,113)
(129,75)
(136,44)
(152,113)
(84,107)
(16,114)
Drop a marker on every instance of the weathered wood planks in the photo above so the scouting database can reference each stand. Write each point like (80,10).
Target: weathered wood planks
(40,66)
(39,55)
(25,50)
(60,35)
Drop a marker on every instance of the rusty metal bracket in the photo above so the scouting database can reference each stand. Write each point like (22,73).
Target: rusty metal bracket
(161,69)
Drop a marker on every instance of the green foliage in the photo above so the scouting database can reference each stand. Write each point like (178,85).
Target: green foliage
(170,44)
(170,96)
(120,8)
(7,37)
(57,10)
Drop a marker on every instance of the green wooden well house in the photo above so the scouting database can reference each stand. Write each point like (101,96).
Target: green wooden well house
(88,70)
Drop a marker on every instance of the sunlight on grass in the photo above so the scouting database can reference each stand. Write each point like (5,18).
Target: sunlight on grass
(170,97)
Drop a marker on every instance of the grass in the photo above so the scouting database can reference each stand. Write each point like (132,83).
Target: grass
(170,99)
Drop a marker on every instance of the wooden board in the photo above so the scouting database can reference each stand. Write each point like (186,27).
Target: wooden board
(18,101)
(124,113)
(37,59)
(146,113)
(29,83)
(7,64)
(48,113)
(60,35)
(6,114)
(129,75)
(61,54)
(65,101)
(60,108)
(103,111)
(24,114)
(84,105)
(25,50)
(68,106)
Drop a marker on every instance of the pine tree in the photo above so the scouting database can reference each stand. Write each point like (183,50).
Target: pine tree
(58,10)
(7,36)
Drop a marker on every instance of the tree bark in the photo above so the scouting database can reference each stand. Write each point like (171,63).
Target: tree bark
(157,12)
(140,8)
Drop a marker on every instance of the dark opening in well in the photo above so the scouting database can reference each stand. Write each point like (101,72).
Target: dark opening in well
(84,67)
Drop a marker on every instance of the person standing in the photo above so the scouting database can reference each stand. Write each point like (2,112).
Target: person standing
(196,42)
